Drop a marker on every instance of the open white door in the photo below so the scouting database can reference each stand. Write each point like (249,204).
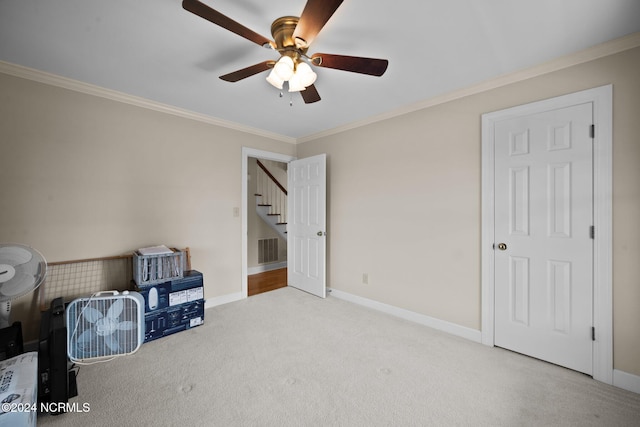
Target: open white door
(306,229)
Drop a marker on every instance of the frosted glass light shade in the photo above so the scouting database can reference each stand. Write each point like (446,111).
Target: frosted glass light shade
(306,74)
(284,68)
(295,83)
(274,79)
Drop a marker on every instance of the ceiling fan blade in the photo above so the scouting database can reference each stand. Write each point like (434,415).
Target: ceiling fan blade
(212,15)
(248,72)
(316,13)
(310,95)
(356,64)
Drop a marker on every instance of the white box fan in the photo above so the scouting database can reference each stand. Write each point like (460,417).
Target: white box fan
(104,326)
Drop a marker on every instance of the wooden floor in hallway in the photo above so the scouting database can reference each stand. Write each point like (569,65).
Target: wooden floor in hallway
(266,281)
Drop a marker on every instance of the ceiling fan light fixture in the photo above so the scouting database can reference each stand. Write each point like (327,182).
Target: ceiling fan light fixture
(275,80)
(284,68)
(296,83)
(292,36)
(306,75)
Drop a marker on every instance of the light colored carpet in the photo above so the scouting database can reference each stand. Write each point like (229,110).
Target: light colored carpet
(286,358)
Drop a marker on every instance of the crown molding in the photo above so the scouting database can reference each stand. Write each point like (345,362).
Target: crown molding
(89,89)
(595,52)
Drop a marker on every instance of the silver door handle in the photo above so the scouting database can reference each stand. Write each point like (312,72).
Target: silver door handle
(320,233)
(502,246)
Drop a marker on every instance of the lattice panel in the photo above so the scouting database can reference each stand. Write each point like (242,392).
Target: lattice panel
(84,278)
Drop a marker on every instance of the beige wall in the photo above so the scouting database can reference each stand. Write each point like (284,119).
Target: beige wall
(404,201)
(80,179)
(82,176)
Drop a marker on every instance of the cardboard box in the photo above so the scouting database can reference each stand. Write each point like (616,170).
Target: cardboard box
(172,292)
(166,321)
(173,306)
(18,390)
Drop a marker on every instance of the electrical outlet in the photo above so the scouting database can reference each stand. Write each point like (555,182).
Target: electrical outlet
(365,278)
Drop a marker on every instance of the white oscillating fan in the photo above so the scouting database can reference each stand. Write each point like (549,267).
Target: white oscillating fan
(22,270)
(106,325)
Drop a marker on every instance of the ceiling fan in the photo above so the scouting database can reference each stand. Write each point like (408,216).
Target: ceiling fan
(291,38)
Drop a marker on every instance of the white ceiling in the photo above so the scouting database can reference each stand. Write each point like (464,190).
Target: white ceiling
(156,50)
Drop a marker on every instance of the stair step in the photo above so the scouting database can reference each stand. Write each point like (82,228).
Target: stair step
(263,211)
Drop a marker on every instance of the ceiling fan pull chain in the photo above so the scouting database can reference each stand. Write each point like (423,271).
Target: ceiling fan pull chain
(290,100)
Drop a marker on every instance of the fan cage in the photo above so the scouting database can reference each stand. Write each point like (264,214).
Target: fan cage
(98,336)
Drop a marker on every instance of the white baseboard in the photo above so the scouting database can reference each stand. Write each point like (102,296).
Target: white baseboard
(224,299)
(626,381)
(441,325)
(266,267)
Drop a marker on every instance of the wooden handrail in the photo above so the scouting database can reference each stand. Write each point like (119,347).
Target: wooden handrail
(273,178)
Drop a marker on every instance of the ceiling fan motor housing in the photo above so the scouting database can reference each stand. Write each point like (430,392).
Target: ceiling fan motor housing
(282,31)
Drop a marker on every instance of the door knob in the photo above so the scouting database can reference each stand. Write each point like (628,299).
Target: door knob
(502,246)
(320,233)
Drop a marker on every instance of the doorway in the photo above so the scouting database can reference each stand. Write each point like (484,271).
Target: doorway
(266,279)
(306,229)
(513,301)
(267,225)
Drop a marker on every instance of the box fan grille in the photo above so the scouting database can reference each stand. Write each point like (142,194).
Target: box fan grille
(103,327)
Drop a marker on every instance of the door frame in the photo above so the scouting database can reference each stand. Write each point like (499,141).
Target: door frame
(258,154)
(602,99)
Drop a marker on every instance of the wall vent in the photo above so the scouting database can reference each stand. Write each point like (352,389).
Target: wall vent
(267,250)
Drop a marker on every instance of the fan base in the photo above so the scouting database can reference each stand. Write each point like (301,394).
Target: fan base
(282,31)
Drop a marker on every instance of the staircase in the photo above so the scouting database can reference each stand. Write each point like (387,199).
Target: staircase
(271,200)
